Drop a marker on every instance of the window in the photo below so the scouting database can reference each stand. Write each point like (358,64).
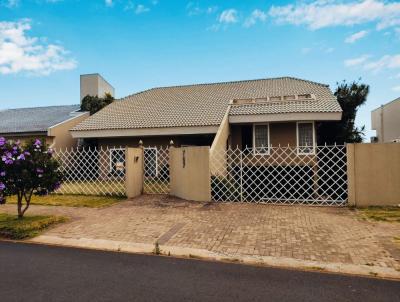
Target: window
(305,137)
(261,139)
(117,161)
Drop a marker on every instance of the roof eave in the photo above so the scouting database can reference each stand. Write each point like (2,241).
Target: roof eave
(188,130)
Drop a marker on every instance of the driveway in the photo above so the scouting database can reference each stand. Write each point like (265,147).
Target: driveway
(314,235)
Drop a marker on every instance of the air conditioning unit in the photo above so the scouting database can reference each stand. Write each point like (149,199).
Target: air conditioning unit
(397,140)
(374,139)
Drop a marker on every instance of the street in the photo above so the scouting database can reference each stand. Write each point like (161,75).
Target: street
(42,273)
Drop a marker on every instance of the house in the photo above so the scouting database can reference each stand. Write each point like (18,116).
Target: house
(386,121)
(51,124)
(252,114)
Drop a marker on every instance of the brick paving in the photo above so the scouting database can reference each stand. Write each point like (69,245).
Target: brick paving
(323,234)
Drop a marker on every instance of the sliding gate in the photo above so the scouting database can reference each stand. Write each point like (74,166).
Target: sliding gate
(281,175)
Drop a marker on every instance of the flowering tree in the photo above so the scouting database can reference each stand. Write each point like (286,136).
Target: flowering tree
(25,171)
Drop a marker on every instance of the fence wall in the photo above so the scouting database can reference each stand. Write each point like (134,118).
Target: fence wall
(373,174)
(134,172)
(190,173)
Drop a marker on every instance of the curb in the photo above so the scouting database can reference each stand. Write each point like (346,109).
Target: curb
(279,262)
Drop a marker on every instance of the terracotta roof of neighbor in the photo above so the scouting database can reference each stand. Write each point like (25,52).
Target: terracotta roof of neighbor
(37,119)
(206,104)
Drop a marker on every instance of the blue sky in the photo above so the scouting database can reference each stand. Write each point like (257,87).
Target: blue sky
(46,44)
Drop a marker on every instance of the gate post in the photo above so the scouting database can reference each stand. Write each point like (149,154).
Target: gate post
(133,172)
(351,166)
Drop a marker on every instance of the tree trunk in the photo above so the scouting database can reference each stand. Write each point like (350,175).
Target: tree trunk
(19,204)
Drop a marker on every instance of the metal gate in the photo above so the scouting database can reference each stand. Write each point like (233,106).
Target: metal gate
(156,170)
(281,175)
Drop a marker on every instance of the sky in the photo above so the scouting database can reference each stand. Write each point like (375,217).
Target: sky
(46,44)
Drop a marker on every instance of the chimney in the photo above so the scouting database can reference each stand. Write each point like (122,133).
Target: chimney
(94,84)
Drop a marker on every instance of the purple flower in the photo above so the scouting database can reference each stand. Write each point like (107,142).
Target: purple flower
(2,186)
(21,157)
(2,173)
(26,153)
(2,141)
(50,151)
(8,161)
(39,170)
(37,143)
(57,185)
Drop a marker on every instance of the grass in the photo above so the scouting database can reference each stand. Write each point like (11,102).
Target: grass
(85,187)
(154,186)
(30,226)
(72,200)
(389,214)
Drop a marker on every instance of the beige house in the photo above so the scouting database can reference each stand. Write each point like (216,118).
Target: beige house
(51,124)
(252,114)
(386,121)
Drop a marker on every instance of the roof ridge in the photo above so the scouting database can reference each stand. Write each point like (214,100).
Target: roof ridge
(38,107)
(224,82)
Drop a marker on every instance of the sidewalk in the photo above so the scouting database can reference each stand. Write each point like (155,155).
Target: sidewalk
(322,238)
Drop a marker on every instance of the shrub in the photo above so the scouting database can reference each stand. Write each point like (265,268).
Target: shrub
(224,190)
(27,170)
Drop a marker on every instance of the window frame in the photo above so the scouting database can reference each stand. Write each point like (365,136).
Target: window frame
(255,151)
(111,168)
(313,138)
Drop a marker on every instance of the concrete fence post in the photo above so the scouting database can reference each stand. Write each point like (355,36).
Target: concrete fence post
(351,174)
(133,172)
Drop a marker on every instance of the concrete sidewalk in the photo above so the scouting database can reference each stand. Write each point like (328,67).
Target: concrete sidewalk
(322,238)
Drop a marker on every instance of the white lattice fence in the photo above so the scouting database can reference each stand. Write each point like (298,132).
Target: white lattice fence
(282,175)
(92,171)
(156,170)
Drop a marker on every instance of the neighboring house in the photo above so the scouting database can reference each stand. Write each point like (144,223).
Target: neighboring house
(254,114)
(386,121)
(53,123)
(50,124)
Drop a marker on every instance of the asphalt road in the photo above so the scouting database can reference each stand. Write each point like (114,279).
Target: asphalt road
(41,273)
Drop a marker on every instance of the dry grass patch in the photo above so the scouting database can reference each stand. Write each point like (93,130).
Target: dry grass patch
(389,214)
(29,226)
(72,200)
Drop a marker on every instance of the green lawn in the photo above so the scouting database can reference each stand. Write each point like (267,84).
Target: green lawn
(71,200)
(93,187)
(30,226)
(155,187)
(389,214)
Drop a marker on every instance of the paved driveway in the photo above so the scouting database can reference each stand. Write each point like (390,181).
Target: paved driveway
(323,234)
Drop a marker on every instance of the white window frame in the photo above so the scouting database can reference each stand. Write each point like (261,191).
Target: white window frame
(313,134)
(111,157)
(255,152)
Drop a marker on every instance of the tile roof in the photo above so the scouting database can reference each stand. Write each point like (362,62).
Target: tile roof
(206,104)
(37,119)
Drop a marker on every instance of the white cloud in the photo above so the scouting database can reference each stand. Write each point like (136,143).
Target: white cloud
(109,3)
(194,9)
(385,62)
(396,88)
(228,16)
(356,61)
(10,3)
(256,15)
(324,13)
(20,53)
(356,36)
(140,9)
